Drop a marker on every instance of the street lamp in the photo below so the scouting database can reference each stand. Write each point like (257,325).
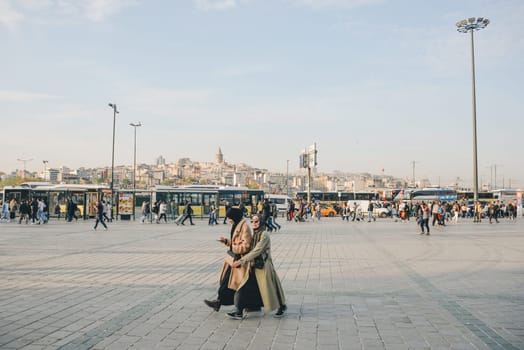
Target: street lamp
(115,111)
(134,125)
(464,26)
(287,178)
(24,161)
(45,168)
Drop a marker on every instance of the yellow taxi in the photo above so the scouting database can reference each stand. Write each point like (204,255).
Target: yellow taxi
(327,210)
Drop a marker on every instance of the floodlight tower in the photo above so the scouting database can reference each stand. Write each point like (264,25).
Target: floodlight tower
(470,25)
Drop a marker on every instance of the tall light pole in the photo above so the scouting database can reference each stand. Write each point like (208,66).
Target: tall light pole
(413,162)
(464,26)
(287,178)
(115,111)
(24,161)
(134,125)
(45,168)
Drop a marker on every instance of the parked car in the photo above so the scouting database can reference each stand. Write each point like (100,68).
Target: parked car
(327,210)
(381,210)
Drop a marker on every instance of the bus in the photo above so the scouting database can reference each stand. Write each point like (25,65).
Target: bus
(85,196)
(467,196)
(202,196)
(333,197)
(427,195)
(506,195)
(282,201)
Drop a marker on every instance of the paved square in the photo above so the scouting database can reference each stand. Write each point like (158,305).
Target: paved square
(348,286)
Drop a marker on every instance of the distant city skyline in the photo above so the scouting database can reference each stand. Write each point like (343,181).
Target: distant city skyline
(377,84)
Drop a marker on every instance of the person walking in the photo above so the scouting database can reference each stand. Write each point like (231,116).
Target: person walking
(188,214)
(274,215)
(212,214)
(238,243)
(260,263)
(146,210)
(100,215)
(162,210)
(424,214)
(57,211)
(5,211)
(494,212)
(370,211)
(25,211)
(228,206)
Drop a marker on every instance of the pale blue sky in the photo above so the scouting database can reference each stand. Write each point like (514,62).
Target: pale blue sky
(375,83)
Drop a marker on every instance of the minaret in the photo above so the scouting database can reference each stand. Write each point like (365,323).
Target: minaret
(220,156)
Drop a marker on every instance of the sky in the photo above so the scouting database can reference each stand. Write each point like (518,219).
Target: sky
(378,85)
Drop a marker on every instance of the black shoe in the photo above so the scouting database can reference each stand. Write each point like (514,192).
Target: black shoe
(235,315)
(253,309)
(214,304)
(281,311)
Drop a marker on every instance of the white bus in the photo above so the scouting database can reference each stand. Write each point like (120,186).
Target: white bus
(281,200)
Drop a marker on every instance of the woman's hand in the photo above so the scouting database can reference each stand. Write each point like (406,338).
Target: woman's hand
(222,239)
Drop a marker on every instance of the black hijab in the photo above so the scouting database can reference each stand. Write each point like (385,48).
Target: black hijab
(236,215)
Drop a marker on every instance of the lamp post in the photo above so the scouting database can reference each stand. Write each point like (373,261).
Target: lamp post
(115,111)
(134,125)
(24,161)
(287,178)
(464,26)
(45,168)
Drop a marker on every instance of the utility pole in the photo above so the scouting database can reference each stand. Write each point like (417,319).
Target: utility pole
(413,162)
(24,161)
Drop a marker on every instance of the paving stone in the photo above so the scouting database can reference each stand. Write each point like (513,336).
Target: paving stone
(348,286)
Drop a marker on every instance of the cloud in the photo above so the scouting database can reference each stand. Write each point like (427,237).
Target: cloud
(335,3)
(15,12)
(23,96)
(210,5)
(9,16)
(98,10)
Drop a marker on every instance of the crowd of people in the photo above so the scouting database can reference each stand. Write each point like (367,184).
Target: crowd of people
(35,211)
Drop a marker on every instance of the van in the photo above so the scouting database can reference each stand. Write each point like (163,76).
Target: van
(281,200)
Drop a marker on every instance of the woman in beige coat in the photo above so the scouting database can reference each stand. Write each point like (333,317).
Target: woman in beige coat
(267,279)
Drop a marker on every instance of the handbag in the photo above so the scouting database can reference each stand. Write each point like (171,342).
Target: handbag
(259,262)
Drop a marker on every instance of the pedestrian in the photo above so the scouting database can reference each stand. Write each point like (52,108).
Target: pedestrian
(424,214)
(228,206)
(107,211)
(213,214)
(266,212)
(260,264)
(494,212)
(57,211)
(274,215)
(13,208)
(188,214)
(317,210)
(346,211)
(238,243)
(100,215)
(25,211)
(456,211)
(41,211)
(162,210)
(5,211)
(34,211)
(146,212)
(370,211)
